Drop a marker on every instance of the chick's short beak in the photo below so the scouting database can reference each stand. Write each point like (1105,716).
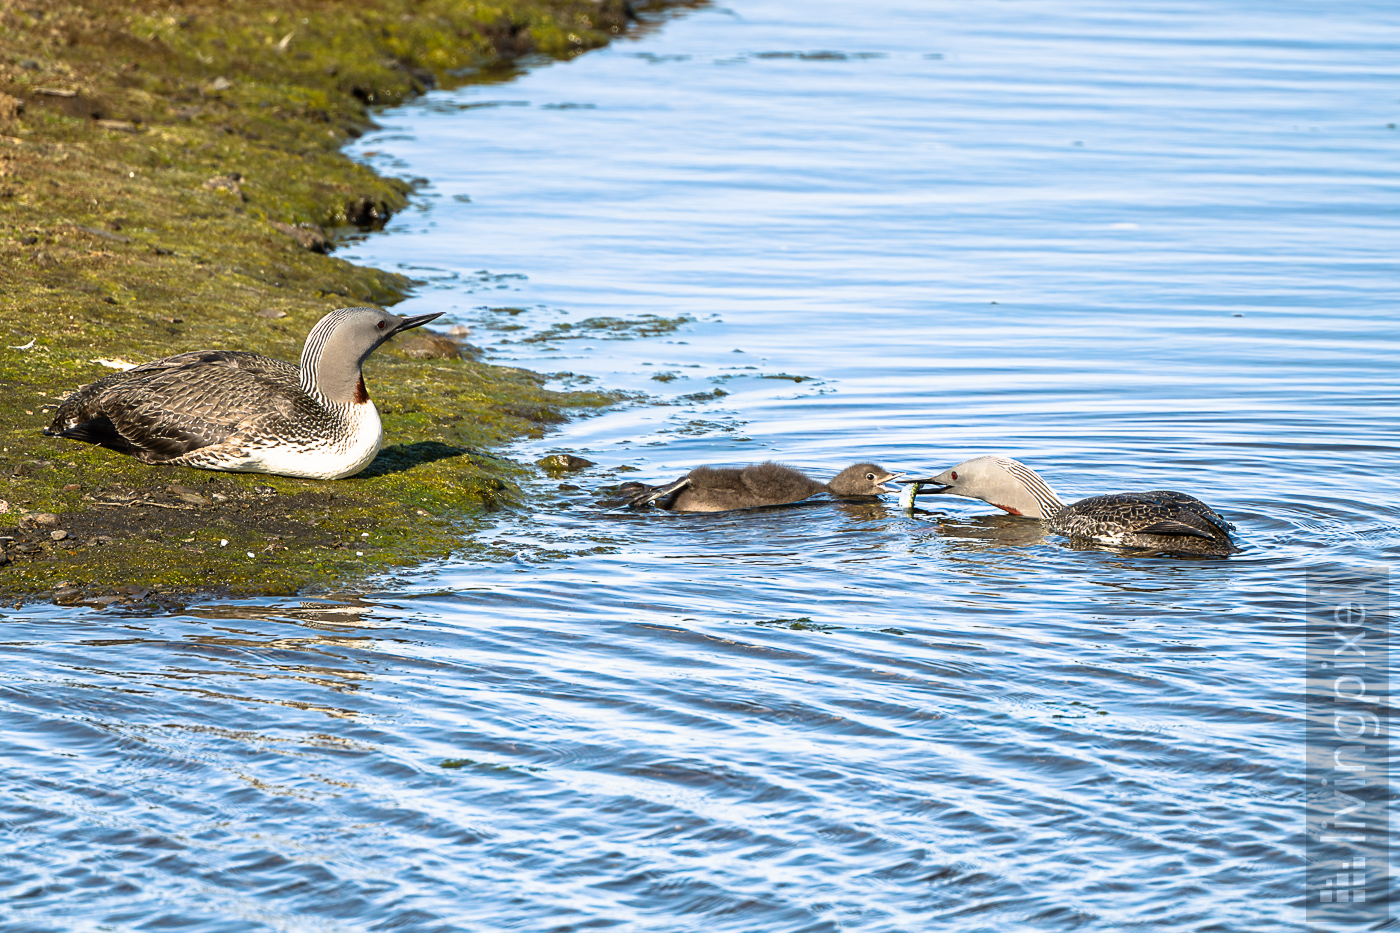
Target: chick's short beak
(887,478)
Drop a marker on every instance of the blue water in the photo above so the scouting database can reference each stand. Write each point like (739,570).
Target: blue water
(1135,248)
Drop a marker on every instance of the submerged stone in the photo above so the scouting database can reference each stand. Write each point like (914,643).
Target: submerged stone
(557,464)
(431,346)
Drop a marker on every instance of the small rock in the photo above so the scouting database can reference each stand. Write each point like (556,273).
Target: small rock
(264,490)
(186,494)
(67,595)
(29,240)
(120,126)
(39,520)
(100,539)
(309,236)
(10,108)
(272,313)
(367,212)
(431,346)
(71,487)
(136,590)
(58,535)
(555,464)
(4,558)
(228,184)
(219,84)
(28,547)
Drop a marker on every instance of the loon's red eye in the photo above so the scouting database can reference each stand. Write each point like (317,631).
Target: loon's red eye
(380,325)
(955,474)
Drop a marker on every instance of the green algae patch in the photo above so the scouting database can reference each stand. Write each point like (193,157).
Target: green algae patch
(799,624)
(611,328)
(178,531)
(459,763)
(170,180)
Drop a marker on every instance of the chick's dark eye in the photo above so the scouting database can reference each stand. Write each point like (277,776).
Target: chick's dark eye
(870,476)
(380,325)
(955,474)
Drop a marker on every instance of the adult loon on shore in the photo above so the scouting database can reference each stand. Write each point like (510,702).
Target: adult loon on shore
(243,412)
(1161,520)
(721,489)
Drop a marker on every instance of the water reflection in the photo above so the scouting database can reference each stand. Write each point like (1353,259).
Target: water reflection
(984,530)
(353,613)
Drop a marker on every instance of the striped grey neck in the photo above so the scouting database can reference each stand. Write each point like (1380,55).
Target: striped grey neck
(1037,487)
(332,380)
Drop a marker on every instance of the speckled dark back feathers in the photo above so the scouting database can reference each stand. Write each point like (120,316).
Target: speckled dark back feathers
(163,409)
(1182,521)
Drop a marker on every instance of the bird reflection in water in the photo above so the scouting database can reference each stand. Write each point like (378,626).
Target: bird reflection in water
(985,530)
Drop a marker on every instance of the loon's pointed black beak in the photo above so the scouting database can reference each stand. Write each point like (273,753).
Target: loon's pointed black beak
(418,320)
(924,485)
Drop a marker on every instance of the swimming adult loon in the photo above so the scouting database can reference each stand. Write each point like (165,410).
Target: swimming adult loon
(720,489)
(1165,521)
(243,412)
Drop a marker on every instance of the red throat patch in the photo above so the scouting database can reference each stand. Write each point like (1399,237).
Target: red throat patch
(1007,508)
(361,395)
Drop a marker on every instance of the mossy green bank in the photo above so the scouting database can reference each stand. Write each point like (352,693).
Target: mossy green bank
(171,179)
